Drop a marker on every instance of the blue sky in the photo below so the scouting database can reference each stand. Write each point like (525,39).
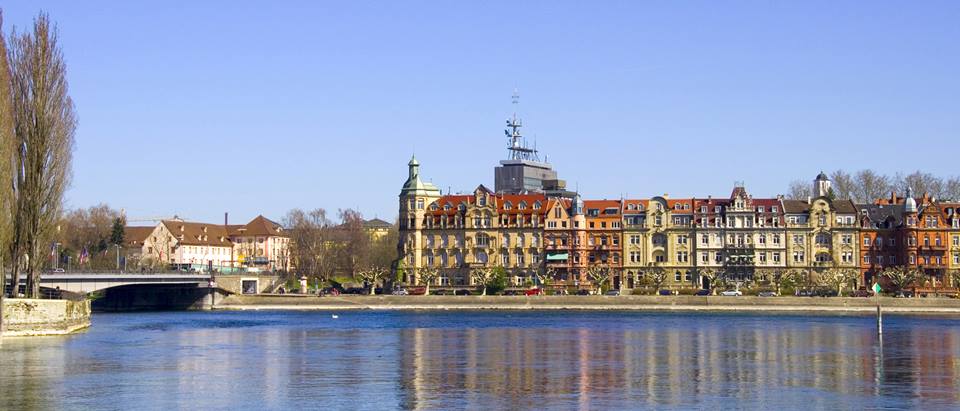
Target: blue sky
(196,108)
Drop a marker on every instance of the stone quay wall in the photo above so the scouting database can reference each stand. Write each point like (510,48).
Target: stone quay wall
(637,303)
(26,317)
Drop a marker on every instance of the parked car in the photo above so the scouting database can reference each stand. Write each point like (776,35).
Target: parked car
(533,291)
(583,292)
(823,292)
(804,293)
(353,290)
(702,292)
(331,291)
(58,271)
(731,293)
(666,292)
(400,291)
(767,294)
(462,292)
(904,294)
(613,293)
(442,292)
(511,292)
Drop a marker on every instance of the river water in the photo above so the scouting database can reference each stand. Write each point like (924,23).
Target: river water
(485,360)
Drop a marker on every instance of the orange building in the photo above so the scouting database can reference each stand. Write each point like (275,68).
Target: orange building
(604,233)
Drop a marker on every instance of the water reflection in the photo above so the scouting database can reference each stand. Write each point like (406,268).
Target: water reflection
(485,360)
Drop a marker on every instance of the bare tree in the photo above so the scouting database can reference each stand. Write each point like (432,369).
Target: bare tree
(657,276)
(870,186)
(309,241)
(599,274)
(839,276)
(842,185)
(951,189)
(7,149)
(799,190)
(428,275)
(710,274)
(372,276)
(921,183)
(546,277)
(44,125)
(901,277)
(481,275)
(954,276)
(353,251)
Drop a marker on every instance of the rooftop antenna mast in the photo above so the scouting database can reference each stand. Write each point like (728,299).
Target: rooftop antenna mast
(517,148)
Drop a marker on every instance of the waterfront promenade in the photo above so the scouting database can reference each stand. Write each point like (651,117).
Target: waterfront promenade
(630,302)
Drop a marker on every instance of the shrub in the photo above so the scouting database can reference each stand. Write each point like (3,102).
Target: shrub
(497,282)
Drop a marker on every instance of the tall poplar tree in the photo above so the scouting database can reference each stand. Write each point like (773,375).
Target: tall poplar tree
(44,125)
(6,157)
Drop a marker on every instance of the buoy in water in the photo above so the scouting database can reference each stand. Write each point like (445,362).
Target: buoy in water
(334,316)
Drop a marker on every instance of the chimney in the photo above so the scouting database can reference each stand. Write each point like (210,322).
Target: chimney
(225,219)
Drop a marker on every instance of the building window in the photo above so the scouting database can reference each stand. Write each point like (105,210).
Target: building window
(776,258)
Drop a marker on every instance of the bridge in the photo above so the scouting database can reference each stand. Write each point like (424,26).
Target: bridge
(164,290)
(84,283)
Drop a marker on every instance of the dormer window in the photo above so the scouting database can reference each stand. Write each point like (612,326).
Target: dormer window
(537,205)
(446,207)
(507,205)
(522,206)
(433,207)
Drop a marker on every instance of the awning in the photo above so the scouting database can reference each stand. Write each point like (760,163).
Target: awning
(557,257)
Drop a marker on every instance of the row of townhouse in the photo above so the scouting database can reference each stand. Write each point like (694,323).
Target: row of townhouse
(260,244)
(691,239)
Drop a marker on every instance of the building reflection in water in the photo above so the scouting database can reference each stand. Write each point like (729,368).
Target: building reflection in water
(488,361)
(826,364)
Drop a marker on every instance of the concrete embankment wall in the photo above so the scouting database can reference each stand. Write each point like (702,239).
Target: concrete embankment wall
(22,316)
(642,303)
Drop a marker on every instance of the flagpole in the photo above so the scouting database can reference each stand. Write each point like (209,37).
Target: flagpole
(876,292)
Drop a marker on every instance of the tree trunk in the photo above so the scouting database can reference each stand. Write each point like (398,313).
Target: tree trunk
(484,292)
(427,291)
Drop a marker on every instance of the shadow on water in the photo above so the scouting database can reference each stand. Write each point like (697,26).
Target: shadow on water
(490,360)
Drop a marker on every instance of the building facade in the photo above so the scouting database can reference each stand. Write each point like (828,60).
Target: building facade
(685,242)
(917,233)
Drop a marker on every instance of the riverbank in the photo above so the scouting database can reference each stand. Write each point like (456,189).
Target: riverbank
(629,302)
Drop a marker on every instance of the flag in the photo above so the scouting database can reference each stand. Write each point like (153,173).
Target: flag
(53,250)
(84,256)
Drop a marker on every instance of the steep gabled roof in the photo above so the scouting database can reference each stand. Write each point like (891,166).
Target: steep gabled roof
(260,227)
(795,206)
(136,235)
(190,233)
(376,223)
